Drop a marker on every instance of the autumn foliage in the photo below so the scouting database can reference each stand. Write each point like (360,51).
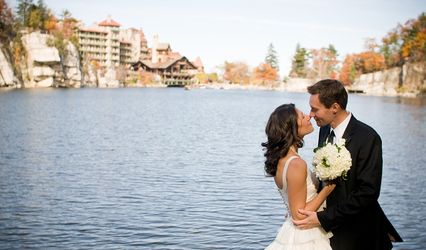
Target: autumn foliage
(405,43)
(264,73)
(237,72)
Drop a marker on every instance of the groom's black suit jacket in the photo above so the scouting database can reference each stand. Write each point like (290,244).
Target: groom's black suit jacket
(353,213)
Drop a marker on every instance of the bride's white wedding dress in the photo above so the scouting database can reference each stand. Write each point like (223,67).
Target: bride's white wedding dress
(290,237)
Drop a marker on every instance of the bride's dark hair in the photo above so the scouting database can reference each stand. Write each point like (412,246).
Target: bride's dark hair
(281,131)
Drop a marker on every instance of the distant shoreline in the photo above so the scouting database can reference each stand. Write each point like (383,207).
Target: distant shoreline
(227,86)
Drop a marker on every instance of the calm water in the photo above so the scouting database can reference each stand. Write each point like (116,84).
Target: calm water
(173,169)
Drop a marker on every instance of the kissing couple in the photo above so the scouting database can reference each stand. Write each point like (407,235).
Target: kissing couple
(339,214)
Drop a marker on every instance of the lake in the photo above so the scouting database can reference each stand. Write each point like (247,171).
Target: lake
(174,169)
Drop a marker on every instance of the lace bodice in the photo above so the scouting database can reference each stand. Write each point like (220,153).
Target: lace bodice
(312,184)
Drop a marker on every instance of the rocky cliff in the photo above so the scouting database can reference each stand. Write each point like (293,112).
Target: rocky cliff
(44,66)
(7,77)
(409,79)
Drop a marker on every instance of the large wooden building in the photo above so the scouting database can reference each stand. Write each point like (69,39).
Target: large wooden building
(178,71)
(171,67)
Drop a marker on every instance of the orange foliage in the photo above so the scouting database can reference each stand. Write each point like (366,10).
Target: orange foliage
(369,61)
(66,27)
(406,42)
(357,64)
(50,23)
(96,65)
(264,73)
(415,49)
(348,72)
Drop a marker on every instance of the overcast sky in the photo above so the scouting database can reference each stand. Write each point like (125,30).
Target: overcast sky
(241,30)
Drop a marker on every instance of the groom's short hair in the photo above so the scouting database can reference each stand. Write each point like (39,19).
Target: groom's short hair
(330,91)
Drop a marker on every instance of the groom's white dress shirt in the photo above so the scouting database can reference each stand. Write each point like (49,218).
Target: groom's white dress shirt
(340,129)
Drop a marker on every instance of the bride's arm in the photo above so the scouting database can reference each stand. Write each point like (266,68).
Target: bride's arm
(296,188)
(316,202)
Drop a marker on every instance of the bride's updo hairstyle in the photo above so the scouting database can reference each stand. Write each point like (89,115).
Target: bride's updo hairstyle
(281,131)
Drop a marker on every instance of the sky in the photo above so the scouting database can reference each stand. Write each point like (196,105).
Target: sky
(241,30)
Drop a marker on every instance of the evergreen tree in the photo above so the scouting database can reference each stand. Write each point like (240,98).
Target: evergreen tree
(271,58)
(23,11)
(299,65)
(32,15)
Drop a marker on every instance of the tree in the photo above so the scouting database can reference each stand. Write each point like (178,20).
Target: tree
(23,11)
(390,49)
(236,72)
(324,62)
(405,43)
(370,44)
(264,73)
(33,15)
(6,21)
(348,72)
(66,14)
(413,35)
(300,62)
(35,19)
(271,57)
(369,61)
(356,64)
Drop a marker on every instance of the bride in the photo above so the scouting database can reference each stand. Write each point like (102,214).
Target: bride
(285,130)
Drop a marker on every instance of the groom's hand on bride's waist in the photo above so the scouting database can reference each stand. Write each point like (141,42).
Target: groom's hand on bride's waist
(309,222)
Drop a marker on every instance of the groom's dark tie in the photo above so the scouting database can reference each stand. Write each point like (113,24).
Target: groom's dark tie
(330,137)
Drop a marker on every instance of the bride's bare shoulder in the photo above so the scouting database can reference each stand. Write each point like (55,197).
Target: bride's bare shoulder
(297,168)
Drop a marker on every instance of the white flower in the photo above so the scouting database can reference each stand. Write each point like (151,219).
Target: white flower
(332,161)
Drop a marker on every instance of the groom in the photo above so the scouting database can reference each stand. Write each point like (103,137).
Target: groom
(353,213)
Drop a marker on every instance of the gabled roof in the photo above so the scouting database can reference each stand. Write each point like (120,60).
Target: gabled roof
(109,22)
(164,65)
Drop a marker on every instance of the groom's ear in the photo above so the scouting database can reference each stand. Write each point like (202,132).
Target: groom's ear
(335,107)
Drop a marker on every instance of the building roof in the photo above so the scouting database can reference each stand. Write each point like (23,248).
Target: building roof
(166,64)
(109,22)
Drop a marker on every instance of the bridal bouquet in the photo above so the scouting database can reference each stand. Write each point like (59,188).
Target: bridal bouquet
(332,161)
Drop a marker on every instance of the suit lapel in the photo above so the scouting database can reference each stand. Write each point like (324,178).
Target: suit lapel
(350,129)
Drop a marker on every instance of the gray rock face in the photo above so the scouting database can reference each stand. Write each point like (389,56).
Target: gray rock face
(41,60)
(72,69)
(6,71)
(408,80)
(45,66)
